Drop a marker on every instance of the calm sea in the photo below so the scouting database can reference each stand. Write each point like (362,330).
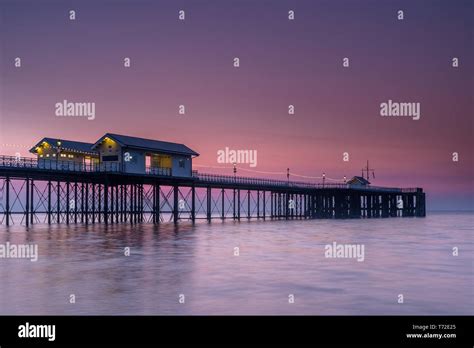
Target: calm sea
(410,256)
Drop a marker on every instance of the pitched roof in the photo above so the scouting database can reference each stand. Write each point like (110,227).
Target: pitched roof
(360,179)
(148,144)
(67,145)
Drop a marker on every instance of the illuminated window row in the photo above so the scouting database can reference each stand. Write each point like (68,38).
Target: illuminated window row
(54,155)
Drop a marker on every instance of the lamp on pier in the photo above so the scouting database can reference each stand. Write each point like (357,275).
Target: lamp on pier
(58,143)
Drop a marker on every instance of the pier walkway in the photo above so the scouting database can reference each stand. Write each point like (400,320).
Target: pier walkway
(37,191)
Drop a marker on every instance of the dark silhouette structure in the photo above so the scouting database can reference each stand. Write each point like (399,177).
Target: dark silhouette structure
(32,193)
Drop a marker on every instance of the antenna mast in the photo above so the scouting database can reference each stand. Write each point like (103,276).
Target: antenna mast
(368,170)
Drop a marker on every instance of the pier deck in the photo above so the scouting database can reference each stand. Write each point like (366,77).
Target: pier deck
(60,192)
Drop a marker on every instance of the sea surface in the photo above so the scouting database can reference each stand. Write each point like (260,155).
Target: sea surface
(277,261)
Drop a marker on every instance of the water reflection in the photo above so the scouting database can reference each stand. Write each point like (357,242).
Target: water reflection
(409,256)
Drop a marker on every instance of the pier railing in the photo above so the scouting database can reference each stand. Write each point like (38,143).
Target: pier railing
(158,171)
(60,165)
(19,162)
(70,166)
(385,189)
(228,179)
(78,166)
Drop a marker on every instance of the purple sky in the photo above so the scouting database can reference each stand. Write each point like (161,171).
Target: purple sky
(282,62)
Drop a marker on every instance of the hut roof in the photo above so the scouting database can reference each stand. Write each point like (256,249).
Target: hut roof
(148,144)
(66,145)
(359,179)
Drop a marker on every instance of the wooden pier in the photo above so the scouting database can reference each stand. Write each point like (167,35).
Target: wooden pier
(88,195)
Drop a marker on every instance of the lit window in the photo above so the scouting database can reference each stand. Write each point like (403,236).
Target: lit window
(63,155)
(41,155)
(47,155)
